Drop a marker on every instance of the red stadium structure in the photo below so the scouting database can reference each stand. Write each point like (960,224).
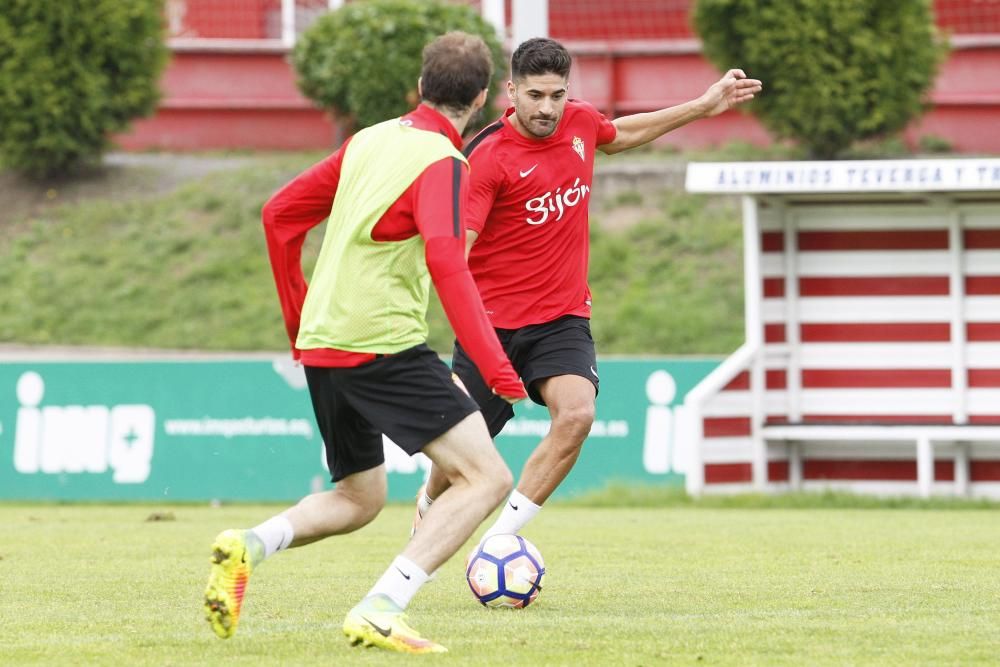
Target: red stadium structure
(229,84)
(872,354)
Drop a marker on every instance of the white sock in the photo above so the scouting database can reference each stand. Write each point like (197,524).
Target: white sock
(400,582)
(424,503)
(517,512)
(276,534)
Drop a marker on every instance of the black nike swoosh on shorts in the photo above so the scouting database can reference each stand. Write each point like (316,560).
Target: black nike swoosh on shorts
(512,505)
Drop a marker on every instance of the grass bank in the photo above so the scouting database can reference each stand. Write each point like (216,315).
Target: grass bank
(187,268)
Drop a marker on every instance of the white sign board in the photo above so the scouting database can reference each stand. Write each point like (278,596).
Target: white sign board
(844,176)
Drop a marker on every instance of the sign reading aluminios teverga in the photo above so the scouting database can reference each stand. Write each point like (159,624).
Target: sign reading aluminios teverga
(244,430)
(844,176)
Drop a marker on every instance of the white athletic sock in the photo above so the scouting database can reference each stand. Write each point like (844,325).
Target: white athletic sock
(276,534)
(517,512)
(400,582)
(424,503)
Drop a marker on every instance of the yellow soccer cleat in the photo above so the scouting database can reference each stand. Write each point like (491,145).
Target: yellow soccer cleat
(227,583)
(378,621)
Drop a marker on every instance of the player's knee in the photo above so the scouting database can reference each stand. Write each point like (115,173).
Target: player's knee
(574,423)
(365,505)
(492,476)
(501,481)
(369,511)
(495,485)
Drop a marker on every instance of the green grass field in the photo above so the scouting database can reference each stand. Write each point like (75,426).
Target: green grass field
(676,584)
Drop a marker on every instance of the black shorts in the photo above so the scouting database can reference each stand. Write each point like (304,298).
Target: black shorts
(410,397)
(538,351)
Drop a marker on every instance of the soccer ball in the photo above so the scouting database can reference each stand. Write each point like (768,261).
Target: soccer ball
(505,571)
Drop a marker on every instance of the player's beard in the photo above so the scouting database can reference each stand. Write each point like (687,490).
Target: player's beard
(538,129)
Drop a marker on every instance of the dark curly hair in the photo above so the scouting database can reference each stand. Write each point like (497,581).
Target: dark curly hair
(540,55)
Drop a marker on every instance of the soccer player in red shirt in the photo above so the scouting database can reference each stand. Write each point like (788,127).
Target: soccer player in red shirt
(394,194)
(528,231)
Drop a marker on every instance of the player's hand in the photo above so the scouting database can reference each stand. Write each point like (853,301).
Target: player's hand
(510,390)
(461,385)
(511,399)
(732,89)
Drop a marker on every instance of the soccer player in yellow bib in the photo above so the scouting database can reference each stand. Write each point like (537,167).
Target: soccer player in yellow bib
(394,194)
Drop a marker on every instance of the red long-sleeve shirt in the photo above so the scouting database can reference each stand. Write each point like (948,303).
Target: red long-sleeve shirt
(430,206)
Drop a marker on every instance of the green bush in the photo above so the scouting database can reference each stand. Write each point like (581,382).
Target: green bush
(71,73)
(834,71)
(363,60)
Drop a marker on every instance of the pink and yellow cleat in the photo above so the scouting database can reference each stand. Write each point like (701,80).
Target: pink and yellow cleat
(227,583)
(378,621)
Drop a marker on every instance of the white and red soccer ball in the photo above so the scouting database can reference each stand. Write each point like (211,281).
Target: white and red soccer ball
(505,571)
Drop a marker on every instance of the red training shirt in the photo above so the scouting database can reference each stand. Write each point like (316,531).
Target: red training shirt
(528,200)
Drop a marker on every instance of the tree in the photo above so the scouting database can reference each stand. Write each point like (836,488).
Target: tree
(71,73)
(362,61)
(834,71)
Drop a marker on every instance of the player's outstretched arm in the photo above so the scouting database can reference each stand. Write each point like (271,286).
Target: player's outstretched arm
(732,89)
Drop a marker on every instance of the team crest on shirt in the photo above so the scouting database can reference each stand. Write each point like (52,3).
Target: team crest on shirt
(578,146)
